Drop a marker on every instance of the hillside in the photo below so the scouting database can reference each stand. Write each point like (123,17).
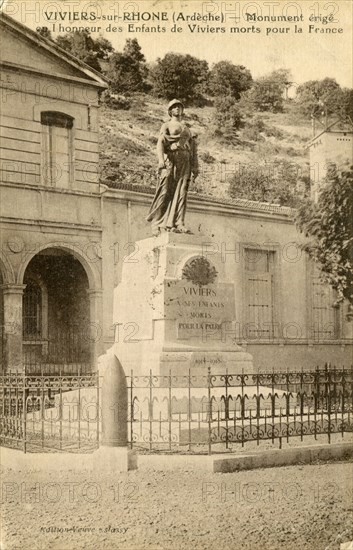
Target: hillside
(269,148)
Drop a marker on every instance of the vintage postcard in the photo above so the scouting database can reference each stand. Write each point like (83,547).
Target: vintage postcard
(176,293)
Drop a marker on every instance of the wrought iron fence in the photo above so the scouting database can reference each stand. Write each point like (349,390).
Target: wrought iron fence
(2,348)
(66,352)
(49,412)
(212,413)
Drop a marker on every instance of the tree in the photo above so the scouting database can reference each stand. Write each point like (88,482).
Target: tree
(103,48)
(124,74)
(320,97)
(127,70)
(227,117)
(282,77)
(133,49)
(329,224)
(347,103)
(84,47)
(180,76)
(267,95)
(227,79)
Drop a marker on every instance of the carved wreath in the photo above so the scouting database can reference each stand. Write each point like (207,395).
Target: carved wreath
(199,271)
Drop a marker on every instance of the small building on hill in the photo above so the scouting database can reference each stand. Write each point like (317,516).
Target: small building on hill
(333,145)
(65,236)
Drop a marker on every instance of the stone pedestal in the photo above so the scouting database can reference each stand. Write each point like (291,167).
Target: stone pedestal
(174,310)
(114,460)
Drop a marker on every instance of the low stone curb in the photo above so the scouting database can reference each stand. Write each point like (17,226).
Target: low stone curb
(113,459)
(124,459)
(250,461)
(284,457)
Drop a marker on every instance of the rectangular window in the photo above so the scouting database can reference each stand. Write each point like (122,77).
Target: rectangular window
(57,159)
(32,311)
(259,294)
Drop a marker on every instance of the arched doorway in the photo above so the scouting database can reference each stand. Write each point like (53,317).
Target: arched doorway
(56,314)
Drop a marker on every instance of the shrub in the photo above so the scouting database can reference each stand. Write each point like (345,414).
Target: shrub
(274,183)
(207,157)
(115,101)
(227,117)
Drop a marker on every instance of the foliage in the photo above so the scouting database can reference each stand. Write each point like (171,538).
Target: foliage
(207,157)
(254,128)
(127,69)
(45,33)
(273,183)
(283,77)
(258,123)
(180,76)
(251,133)
(329,224)
(115,101)
(102,47)
(84,47)
(227,117)
(133,49)
(267,95)
(227,79)
(124,74)
(347,103)
(272,131)
(317,96)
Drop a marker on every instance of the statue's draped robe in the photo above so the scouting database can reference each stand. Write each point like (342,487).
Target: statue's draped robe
(169,203)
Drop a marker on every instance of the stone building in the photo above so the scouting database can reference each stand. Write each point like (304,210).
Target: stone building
(65,236)
(333,145)
(50,198)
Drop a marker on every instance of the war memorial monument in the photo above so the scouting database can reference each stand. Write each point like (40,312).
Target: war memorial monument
(174,310)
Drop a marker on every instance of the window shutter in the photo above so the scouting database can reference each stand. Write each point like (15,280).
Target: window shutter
(259,294)
(259,306)
(57,160)
(323,313)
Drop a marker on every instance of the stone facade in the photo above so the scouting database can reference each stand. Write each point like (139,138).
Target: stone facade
(65,237)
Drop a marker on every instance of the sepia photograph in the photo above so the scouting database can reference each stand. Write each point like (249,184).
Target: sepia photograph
(176,275)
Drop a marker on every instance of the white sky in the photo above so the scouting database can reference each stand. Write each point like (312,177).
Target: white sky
(309,56)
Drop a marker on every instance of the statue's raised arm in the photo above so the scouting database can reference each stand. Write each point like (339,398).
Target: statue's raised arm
(177,161)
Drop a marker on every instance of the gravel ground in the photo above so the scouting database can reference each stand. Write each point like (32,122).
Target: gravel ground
(298,507)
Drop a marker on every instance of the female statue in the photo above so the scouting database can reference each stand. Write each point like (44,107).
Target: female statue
(177,161)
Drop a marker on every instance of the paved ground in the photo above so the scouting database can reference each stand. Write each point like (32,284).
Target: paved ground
(298,507)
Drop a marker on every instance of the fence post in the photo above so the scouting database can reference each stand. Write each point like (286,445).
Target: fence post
(113,452)
(114,404)
(209,398)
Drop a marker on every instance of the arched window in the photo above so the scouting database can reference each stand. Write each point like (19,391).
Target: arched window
(32,311)
(57,146)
